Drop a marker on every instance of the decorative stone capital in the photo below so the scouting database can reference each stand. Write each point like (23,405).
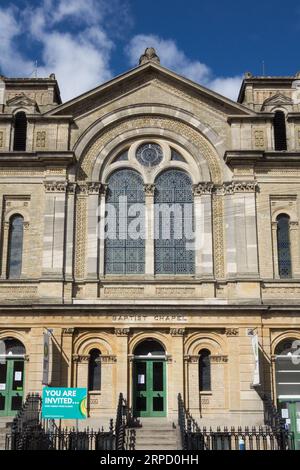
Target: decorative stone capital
(80,358)
(90,187)
(293,224)
(240,187)
(71,188)
(192,359)
(122,331)
(103,189)
(68,331)
(218,359)
(176,331)
(231,331)
(200,189)
(149,189)
(55,186)
(108,359)
(26,225)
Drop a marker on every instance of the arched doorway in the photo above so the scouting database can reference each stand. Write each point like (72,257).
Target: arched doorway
(12,355)
(287,374)
(149,379)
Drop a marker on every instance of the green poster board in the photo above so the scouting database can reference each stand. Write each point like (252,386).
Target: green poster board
(64,403)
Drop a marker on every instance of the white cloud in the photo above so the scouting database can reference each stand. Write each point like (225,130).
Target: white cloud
(79,59)
(174,58)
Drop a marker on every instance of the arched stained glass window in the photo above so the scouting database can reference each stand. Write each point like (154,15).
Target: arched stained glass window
(174,252)
(94,379)
(20,131)
(15,246)
(283,246)
(125,229)
(204,371)
(279,131)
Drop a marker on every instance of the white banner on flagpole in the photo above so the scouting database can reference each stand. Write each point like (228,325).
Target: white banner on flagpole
(256,377)
(46,357)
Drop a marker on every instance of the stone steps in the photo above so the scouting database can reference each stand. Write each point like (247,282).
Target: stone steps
(157,435)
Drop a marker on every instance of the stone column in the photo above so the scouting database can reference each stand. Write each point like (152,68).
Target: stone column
(70,230)
(192,397)
(149,229)
(81,370)
(275,251)
(294,247)
(67,354)
(203,229)
(233,369)
(54,228)
(101,261)
(175,377)
(93,225)
(241,234)
(122,379)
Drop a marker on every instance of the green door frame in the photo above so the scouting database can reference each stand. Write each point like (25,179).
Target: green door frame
(292,412)
(148,393)
(13,388)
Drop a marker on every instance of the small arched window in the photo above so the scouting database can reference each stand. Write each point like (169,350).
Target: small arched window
(279,131)
(204,371)
(283,246)
(94,379)
(15,246)
(20,132)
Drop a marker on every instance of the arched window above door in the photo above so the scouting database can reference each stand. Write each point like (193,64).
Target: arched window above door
(20,131)
(15,246)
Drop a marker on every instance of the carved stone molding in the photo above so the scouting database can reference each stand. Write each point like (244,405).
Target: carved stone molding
(231,331)
(176,331)
(202,188)
(122,331)
(192,359)
(149,189)
(108,358)
(68,331)
(217,359)
(89,187)
(71,188)
(80,358)
(55,186)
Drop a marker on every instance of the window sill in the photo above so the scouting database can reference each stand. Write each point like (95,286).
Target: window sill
(208,392)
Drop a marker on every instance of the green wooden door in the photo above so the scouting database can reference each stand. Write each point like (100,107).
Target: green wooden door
(294,415)
(149,388)
(11,386)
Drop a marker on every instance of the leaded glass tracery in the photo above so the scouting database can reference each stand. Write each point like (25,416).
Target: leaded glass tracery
(174,253)
(283,246)
(149,154)
(15,246)
(124,254)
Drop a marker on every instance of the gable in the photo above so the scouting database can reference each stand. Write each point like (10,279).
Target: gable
(149,72)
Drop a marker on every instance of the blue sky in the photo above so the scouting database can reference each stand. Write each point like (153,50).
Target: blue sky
(86,42)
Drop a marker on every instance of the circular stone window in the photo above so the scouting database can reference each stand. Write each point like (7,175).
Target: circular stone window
(149,154)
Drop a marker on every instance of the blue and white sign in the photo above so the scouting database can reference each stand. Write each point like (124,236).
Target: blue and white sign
(64,403)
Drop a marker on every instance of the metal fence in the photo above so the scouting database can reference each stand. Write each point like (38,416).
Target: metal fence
(256,438)
(30,432)
(64,439)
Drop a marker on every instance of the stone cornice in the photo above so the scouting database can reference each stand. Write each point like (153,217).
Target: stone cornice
(57,159)
(244,157)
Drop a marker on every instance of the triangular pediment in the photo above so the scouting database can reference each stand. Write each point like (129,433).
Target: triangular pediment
(142,76)
(277,100)
(21,100)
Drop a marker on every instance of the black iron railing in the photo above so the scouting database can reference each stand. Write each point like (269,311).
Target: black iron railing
(30,432)
(125,423)
(256,438)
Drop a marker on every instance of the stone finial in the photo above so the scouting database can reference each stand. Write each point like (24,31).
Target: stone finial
(248,75)
(149,56)
(52,76)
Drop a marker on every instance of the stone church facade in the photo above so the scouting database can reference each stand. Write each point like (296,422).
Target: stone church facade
(151,319)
